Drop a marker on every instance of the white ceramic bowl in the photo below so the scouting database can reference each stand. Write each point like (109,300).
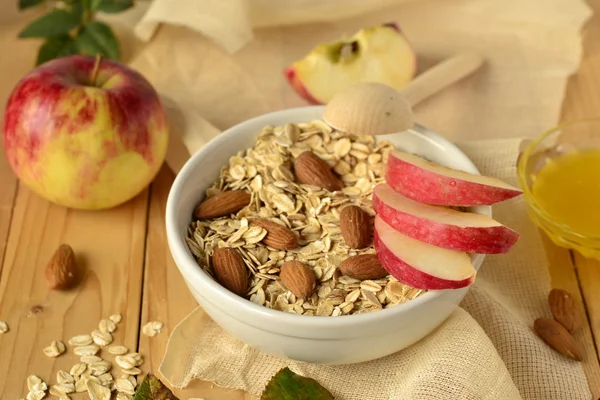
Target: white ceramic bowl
(325,340)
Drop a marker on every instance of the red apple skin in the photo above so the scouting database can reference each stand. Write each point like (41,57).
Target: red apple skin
(411,276)
(483,240)
(296,84)
(431,188)
(85,146)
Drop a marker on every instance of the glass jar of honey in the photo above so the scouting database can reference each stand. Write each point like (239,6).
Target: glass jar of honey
(559,173)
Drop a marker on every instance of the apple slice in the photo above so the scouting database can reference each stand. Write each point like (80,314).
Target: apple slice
(431,183)
(419,264)
(377,54)
(442,226)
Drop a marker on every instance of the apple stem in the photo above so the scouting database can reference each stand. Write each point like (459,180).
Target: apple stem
(95,69)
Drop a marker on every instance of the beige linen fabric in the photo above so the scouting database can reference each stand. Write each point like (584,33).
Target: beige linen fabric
(485,350)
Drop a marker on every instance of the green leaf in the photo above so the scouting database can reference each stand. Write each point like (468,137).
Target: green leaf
(113,6)
(286,385)
(152,388)
(98,38)
(55,23)
(23,4)
(55,47)
(77,8)
(94,4)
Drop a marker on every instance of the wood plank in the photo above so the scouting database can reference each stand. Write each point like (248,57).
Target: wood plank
(564,276)
(110,246)
(582,100)
(166,297)
(12,68)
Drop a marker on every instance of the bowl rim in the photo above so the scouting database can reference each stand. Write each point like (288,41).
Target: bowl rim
(527,192)
(211,289)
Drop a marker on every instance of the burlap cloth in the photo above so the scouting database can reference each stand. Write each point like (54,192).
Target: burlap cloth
(486,349)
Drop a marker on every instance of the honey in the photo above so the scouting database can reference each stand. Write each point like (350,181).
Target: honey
(567,188)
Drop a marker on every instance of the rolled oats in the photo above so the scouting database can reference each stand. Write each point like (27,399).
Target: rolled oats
(152,328)
(64,377)
(96,391)
(313,213)
(78,369)
(3,327)
(116,318)
(55,349)
(108,326)
(118,350)
(81,340)
(125,386)
(88,350)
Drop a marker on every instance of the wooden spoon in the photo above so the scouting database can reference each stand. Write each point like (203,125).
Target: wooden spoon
(376,109)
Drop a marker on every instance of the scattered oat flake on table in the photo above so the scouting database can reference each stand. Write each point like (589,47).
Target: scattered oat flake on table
(3,327)
(96,391)
(81,340)
(116,318)
(152,328)
(107,326)
(118,350)
(55,349)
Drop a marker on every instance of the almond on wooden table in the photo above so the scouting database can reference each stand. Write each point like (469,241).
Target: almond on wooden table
(62,271)
(310,169)
(222,204)
(298,278)
(564,309)
(230,270)
(557,337)
(355,227)
(363,266)
(278,236)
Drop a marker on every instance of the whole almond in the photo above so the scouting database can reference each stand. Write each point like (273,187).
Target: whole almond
(62,271)
(230,270)
(363,266)
(298,278)
(354,224)
(557,337)
(222,204)
(564,309)
(312,170)
(278,236)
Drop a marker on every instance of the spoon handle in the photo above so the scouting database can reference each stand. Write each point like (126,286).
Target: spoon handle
(440,76)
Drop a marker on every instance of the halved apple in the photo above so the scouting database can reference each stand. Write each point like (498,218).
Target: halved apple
(419,264)
(431,183)
(377,54)
(442,226)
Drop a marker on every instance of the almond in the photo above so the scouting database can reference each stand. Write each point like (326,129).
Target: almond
(62,271)
(279,237)
(312,170)
(564,309)
(222,204)
(557,337)
(355,227)
(230,270)
(363,266)
(298,278)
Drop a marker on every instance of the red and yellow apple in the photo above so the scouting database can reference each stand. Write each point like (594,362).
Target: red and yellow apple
(378,54)
(419,264)
(85,133)
(431,183)
(442,226)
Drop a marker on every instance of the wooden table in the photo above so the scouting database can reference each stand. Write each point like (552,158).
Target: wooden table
(130,270)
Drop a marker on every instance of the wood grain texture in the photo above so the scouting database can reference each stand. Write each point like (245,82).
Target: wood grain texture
(582,100)
(166,296)
(12,70)
(110,247)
